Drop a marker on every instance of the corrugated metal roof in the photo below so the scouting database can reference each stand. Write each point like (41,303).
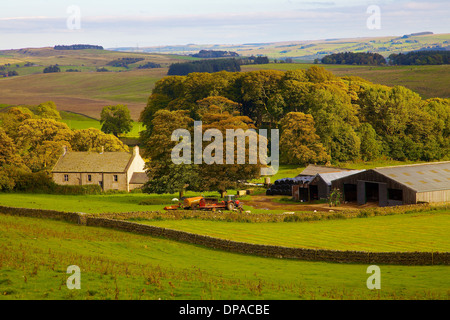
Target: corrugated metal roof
(420,177)
(93,162)
(329,177)
(312,170)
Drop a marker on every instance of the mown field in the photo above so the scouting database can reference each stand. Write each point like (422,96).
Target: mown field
(35,254)
(425,231)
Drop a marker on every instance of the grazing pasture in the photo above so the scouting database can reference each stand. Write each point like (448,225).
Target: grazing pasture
(35,254)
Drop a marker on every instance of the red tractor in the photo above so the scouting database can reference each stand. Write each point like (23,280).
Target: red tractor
(201,203)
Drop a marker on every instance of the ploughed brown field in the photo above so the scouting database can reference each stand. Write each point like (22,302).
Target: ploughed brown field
(83,92)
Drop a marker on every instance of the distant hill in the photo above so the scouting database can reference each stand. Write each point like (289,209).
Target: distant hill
(417,34)
(312,49)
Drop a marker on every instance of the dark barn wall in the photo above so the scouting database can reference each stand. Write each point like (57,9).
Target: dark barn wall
(322,187)
(409,196)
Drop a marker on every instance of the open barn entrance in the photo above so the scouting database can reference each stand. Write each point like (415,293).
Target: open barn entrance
(313,193)
(350,192)
(372,193)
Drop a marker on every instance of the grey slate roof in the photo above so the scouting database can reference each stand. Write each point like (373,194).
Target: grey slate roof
(420,177)
(93,162)
(139,178)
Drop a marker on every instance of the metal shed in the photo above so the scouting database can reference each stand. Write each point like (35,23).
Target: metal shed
(409,184)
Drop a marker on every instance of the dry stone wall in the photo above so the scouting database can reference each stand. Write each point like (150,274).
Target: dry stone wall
(335,256)
(74,217)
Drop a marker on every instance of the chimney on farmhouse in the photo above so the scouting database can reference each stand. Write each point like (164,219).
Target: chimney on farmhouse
(64,150)
(135,150)
(103,150)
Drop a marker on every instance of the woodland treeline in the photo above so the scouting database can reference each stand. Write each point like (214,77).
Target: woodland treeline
(321,117)
(214,65)
(214,54)
(355,58)
(77,47)
(432,57)
(123,62)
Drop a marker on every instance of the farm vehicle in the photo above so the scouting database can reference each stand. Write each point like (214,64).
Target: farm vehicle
(229,202)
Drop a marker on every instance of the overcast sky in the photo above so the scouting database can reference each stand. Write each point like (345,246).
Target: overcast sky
(110,23)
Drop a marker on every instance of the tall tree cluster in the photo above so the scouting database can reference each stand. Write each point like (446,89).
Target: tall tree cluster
(352,118)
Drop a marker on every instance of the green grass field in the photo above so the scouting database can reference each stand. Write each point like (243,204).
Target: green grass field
(35,254)
(78,121)
(122,202)
(410,232)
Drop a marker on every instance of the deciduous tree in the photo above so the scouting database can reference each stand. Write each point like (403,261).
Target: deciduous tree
(94,140)
(116,119)
(299,143)
(40,142)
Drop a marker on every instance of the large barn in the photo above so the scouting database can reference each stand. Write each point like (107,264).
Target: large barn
(389,186)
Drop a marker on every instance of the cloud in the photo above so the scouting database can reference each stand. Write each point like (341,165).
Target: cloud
(423,5)
(327,19)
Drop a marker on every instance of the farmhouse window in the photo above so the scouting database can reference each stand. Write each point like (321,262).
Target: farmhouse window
(89,178)
(66,177)
(116,178)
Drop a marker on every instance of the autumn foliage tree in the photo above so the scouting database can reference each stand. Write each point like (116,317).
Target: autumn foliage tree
(40,142)
(164,175)
(221,175)
(299,143)
(94,140)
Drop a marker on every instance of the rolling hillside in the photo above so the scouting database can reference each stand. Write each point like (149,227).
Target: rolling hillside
(312,49)
(88,91)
